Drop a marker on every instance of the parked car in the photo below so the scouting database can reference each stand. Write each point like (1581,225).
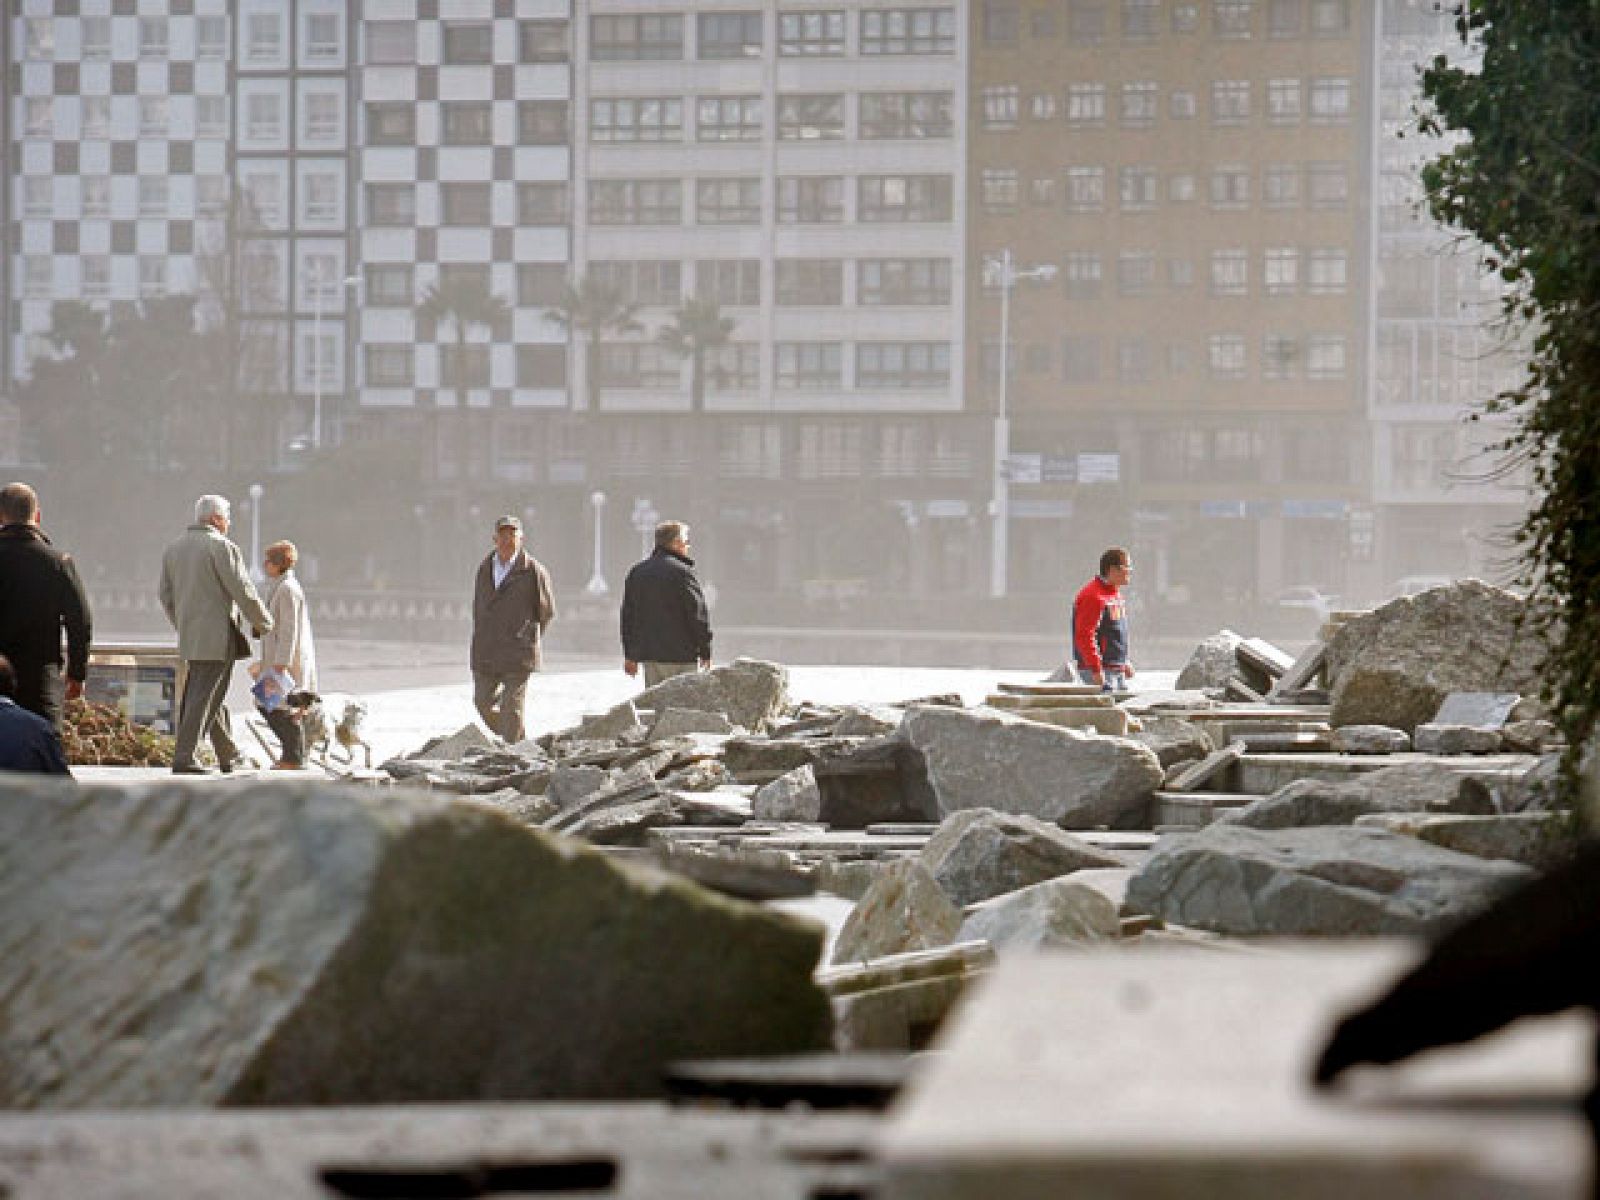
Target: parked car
(1307,596)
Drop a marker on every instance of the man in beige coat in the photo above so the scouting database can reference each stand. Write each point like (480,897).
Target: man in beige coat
(207,595)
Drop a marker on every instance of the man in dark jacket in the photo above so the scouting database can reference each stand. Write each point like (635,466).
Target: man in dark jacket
(28,743)
(512,605)
(665,624)
(40,595)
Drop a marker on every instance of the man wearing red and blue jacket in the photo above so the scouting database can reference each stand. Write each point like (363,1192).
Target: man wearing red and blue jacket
(1100,624)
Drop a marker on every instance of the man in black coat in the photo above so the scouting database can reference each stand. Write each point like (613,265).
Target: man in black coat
(512,605)
(665,625)
(40,596)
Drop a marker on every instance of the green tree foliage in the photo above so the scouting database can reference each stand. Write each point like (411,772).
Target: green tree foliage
(697,331)
(1525,180)
(590,309)
(464,304)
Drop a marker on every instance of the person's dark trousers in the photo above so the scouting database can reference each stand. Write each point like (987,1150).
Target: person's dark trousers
(500,700)
(202,711)
(290,733)
(41,690)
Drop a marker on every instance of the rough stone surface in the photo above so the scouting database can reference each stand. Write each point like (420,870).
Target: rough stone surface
(1537,840)
(978,853)
(1411,787)
(1314,881)
(791,797)
(1457,739)
(1370,739)
(1053,913)
(1173,739)
(680,722)
(616,722)
(988,759)
(1110,882)
(1214,660)
(456,745)
(520,807)
(748,692)
(1110,720)
(568,785)
(1395,665)
(904,909)
(296,943)
(868,721)
(1529,737)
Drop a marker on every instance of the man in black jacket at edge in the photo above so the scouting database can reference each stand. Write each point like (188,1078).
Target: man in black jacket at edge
(665,625)
(40,595)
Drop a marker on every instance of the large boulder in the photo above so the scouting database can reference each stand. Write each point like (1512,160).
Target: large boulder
(1395,665)
(1407,788)
(1173,739)
(1213,662)
(1327,880)
(1541,840)
(296,943)
(903,909)
(1056,912)
(979,853)
(983,758)
(747,691)
(791,797)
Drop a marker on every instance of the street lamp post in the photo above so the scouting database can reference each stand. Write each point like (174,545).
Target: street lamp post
(597,582)
(645,517)
(316,352)
(1003,272)
(256,492)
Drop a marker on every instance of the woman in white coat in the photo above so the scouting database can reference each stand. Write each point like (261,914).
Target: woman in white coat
(287,648)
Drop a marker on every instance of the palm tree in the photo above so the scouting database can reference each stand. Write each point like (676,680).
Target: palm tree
(465,303)
(698,329)
(590,309)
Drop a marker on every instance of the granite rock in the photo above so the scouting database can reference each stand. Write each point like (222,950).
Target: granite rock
(979,853)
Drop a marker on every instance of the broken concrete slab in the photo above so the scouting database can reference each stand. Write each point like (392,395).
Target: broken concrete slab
(790,797)
(1538,840)
(1488,709)
(1263,657)
(680,722)
(899,1002)
(1173,739)
(904,909)
(1213,765)
(1212,661)
(979,853)
(1055,912)
(1302,673)
(300,943)
(455,745)
(619,721)
(748,692)
(1435,738)
(1112,722)
(1370,739)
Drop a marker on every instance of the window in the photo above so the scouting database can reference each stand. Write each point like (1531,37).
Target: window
(389,286)
(542,366)
(1280,185)
(810,199)
(322,116)
(1283,101)
(36,116)
(96,280)
(1000,23)
(734,367)
(728,119)
(36,275)
(639,365)
(152,37)
(881,365)
(729,35)
(542,41)
(466,123)
(322,37)
(732,283)
(1330,185)
(464,366)
(1326,271)
(1230,101)
(1043,106)
(152,196)
(319,280)
(1042,192)
(1180,272)
(804,118)
(38,195)
(263,37)
(152,275)
(1042,22)
(1141,19)
(636,37)
(96,33)
(542,122)
(1325,356)
(540,284)
(541,204)
(1230,187)
(808,365)
(1086,189)
(1230,273)
(1283,18)
(464,203)
(803,281)
(1134,359)
(1086,103)
(750,450)
(320,196)
(1330,18)
(1136,272)
(636,119)
(1280,274)
(650,281)
(391,124)
(727,201)
(1231,18)
(1000,106)
(211,194)
(897,198)
(263,115)
(1136,189)
(211,116)
(1330,100)
(1181,187)
(998,189)
(908,281)
(830,450)
(1139,103)
(1280,354)
(388,365)
(391,43)
(468,42)
(636,202)
(1080,358)
(817,34)
(1182,106)
(906,115)
(908,31)
(391,204)
(1083,274)
(1226,355)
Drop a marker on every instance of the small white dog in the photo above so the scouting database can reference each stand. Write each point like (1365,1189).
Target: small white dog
(322,735)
